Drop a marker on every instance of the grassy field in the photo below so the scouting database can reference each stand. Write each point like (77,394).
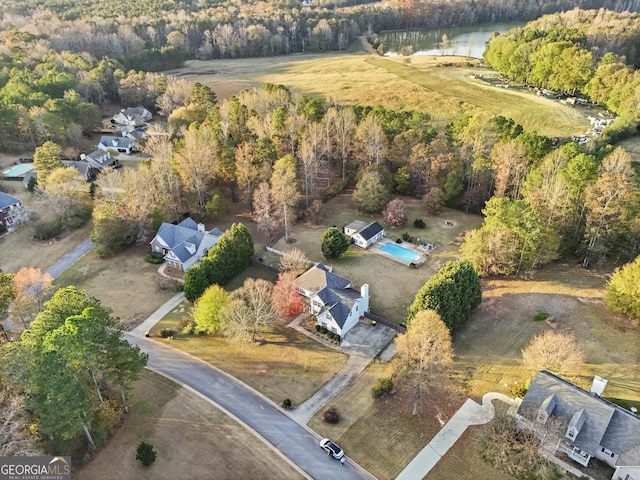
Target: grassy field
(403,83)
(392,285)
(192,438)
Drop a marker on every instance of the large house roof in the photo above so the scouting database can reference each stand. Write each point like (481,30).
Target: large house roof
(185,239)
(319,277)
(115,142)
(99,159)
(339,302)
(7,200)
(605,424)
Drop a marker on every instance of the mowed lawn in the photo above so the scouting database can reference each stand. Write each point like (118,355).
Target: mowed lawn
(192,438)
(287,365)
(393,286)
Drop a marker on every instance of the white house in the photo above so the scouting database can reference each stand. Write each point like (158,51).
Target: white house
(184,244)
(10,210)
(120,144)
(589,425)
(132,117)
(364,234)
(336,305)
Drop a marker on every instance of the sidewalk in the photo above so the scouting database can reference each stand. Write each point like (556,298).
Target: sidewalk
(158,315)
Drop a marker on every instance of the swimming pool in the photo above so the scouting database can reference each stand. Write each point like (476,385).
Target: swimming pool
(18,170)
(400,252)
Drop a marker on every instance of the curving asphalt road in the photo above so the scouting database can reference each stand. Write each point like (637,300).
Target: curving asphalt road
(295,442)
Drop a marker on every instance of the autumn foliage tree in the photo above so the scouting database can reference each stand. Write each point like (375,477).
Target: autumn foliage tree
(207,309)
(395,215)
(285,297)
(31,287)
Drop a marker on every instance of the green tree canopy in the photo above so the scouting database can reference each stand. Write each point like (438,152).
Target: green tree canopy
(453,292)
(207,309)
(371,195)
(334,243)
(46,159)
(623,290)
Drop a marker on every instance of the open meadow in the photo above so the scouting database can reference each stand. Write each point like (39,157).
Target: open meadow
(192,438)
(416,83)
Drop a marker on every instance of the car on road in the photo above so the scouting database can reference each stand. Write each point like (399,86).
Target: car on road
(331,448)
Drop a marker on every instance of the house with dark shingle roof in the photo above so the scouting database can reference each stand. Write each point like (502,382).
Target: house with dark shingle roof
(184,244)
(364,234)
(591,426)
(333,301)
(99,159)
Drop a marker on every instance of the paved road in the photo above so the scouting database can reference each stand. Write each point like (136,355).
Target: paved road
(69,258)
(295,442)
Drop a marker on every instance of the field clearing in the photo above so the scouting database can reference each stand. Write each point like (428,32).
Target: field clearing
(489,347)
(418,82)
(287,365)
(125,282)
(392,285)
(189,434)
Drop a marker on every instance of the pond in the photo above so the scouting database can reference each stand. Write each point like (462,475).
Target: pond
(466,41)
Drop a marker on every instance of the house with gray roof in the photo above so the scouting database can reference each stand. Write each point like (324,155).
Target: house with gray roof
(184,244)
(132,117)
(10,210)
(120,144)
(99,159)
(589,426)
(364,234)
(336,305)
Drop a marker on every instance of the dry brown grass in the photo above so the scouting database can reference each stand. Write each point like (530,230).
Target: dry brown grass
(192,438)
(287,365)
(392,285)
(126,283)
(401,83)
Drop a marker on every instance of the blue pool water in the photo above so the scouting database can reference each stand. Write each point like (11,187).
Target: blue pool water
(400,252)
(18,170)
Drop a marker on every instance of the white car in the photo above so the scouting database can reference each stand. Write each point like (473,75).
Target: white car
(331,448)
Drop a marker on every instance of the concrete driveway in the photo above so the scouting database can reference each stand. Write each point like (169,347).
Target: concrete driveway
(296,443)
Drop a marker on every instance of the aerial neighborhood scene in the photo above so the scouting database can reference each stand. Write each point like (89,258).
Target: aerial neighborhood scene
(320,239)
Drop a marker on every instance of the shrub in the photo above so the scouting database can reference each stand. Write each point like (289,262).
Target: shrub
(44,230)
(398,240)
(154,257)
(317,327)
(540,316)
(331,416)
(187,326)
(419,223)
(406,236)
(382,386)
(146,454)
(3,229)
(286,404)
(167,332)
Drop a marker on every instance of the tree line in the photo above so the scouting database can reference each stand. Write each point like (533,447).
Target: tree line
(589,53)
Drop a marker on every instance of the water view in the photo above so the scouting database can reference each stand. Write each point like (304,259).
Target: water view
(467,41)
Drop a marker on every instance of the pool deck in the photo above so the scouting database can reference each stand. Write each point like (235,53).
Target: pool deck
(422,255)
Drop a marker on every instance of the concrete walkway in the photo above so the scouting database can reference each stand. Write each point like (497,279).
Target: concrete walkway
(158,315)
(469,414)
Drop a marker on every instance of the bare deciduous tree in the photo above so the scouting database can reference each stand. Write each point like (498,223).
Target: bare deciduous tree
(424,352)
(15,436)
(249,311)
(553,351)
(295,261)
(31,288)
